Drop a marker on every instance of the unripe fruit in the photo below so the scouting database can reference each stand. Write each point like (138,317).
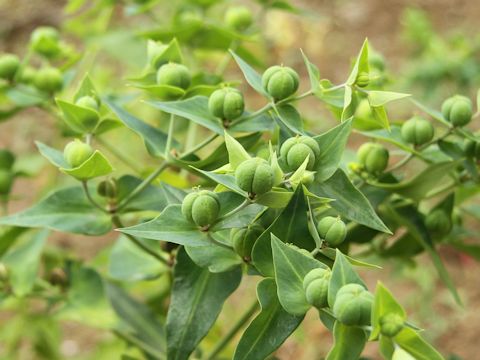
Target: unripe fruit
(49,79)
(391,324)
(254,176)
(77,152)
(88,102)
(353,305)
(333,230)
(373,157)
(27,76)
(243,239)
(458,110)
(363,79)
(438,222)
(9,64)
(201,207)
(6,181)
(417,131)
(90,119)
(315,284)
(45,41)
(264,153)
(239,18)
(226,103)
(472,148)
(174,74)
(280,82)
(107,188)
(295,150)
(7,159)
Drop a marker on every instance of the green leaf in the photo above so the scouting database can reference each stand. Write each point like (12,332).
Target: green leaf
(386,347)
(437,115)
(277,198)
(160,54)
(241,219)
(381,98)
(66,210)
(224,179)
(290,118)
(313,73)
(410,341)
(332,144)
(86,88)
(252,77)
(215,258)
(236,152)
(73,116)
(342,274)
(272,326)
(25,96)
(347,103)
(197,299)
(400,354)
(384,304)
(361,64)
(349,201)
(394,136)
(380,116)
(23,261)
(291,266)
(164,92)
(8,237)
(291,226)
(349,342)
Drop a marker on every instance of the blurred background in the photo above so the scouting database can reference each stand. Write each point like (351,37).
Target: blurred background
(431,49)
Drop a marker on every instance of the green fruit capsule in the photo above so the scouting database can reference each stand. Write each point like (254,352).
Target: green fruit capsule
(88,119)
(173,74)
(6,181)
(243,239)
(49,79)
(27,76)
(9,64)
(226,103)
(363,79)
(254,176)
(280,82)
(295,150)
(391,324)
(45,41)
(201,207)
(438,222)
(472,149)
(353,305)
(333,230)
(239,18)
(458,110)
(107,188)
(77,152)
(417,131)
(7,159)
(315,284)
(373,157)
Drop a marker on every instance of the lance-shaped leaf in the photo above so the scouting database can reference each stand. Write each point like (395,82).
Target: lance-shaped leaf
(164,92)
(381,98)
(252,77)
(349,342)
(236,152)
(272,326)
(86,88)
(410,341)
(313,73)
(73,116)
(197,299)
(290,118)
(224,179)
(277,198)
(361,64)
(159,54)
(217,259)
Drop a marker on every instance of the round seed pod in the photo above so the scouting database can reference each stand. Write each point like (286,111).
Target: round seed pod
(173,74)
(391,324)
(243,239)
(49,79)
(90,119)
(107,188)
(9,64)
(333,230)
(280,82)
(295,150)
(353,305)
(373,157)
(417,131)
(201,207)
(77,152)
(45,41)
(363,79)
(239,18)
(438,222)
(458,110)
(226,103)
(254,176)
(315,284)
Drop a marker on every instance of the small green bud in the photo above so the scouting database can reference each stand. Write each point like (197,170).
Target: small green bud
(391,324)
(254,176)
(239,18)
(77,152)
(363,79)
(49,79)
(201,207)
(280,82)
(315,284)
(45,41)
(9,64)
(226,103)
(7,159)
(333,230)
(472,149)
(6,181)
(243,239)
(417,131)
(373,157)
(107,188)
(458,110)
(438,222)
(295,150)
(174,74)
(353,305)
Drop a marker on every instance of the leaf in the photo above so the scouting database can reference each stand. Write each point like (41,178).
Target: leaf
(240,219)
(217,259)
(23,261)
(313,73)
(86,88)
(164,92)
(224,179)
(386,347)
(349,342)
(384,304)
(400,354)
(290,118)
(437,115)
(381,98)
(8,237)
(272,326)
(332,144)
(236,152)
(160,54)
(252,77)
(197,299)
(349,201)
(291,226)
(361,64)
(73,116)
(347,103)
(26,96)
(291,266)
(415,345)
(277,198)
(66,210)
(342,274)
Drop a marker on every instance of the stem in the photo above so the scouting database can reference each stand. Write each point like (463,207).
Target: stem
(315,251)
(90,198)
(234,211)
(233,331)
(401,163)
(119,155)
(199,146)
(296,98)
(168,145)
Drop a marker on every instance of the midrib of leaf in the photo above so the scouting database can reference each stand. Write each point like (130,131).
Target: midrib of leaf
(299,277)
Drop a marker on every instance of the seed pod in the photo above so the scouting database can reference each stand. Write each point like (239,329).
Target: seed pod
(472,149)
(458,110)
(295,150)
(89,119)
(201,207)
(45,41)
(438,222)
(353,305)
(315,284)
(27,75)
(373,157)
(391,324)
(77,152)
(6,181)
(280,82)
(107,188)
(333,230)
(239,18)
(417,131)
(226,103)
(243,239)
(363,79)
(9,64)
(254,176)
(49,79)
(174,74)
(7,159)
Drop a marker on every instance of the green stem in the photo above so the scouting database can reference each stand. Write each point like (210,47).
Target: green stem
(168,145)
(90,198)
(199,146)
(401,163)
(233,331)
(113,150)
